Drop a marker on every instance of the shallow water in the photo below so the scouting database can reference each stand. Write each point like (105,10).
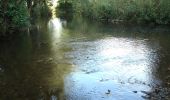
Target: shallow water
(82,60)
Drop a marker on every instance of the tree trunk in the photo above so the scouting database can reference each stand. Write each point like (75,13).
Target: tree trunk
(29,6)
(4,10)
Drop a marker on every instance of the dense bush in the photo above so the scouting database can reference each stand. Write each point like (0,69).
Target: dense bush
(40,9)
(65,9)
(13,14)
(17,14)
(139,11)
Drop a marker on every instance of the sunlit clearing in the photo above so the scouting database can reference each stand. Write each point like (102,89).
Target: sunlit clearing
(54,3)
(55,26)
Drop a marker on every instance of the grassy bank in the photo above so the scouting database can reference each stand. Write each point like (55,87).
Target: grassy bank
(136,11)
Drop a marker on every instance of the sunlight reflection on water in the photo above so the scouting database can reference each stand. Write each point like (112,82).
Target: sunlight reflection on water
(120,64)
(123,64)
(55,28)
(55,25)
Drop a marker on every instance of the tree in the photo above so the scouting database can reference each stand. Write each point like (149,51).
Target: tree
(15,14)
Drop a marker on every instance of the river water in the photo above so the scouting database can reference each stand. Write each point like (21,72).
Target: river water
(80,60)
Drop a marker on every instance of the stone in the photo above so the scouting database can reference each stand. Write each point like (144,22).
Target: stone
(135,91)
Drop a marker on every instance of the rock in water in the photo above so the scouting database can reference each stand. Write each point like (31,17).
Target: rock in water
(135,91)
(108,91)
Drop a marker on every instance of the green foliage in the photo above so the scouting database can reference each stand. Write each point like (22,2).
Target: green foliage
(16,14)
(40,9)
(13,15)
(145,11)
(65,10)
(45,11)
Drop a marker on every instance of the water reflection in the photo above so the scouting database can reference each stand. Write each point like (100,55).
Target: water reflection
(114,62)
(111,63)
(55,25)
(31,69)
(83,62)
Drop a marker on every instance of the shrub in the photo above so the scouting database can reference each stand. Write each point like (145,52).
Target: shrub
(146,11)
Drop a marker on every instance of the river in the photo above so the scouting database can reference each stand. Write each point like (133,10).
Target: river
(79,60)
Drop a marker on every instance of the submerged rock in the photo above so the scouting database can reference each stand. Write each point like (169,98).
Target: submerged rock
(108,92)
(1,69)
(157,94)
(50,59)
(167,83)
(44,44)
(40,61)
(45,60)
(103,80)
(169,69)
(145,92)
(168,77)
(135,91)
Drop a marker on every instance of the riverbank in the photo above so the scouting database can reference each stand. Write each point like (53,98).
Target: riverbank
(19,15)
(122,11)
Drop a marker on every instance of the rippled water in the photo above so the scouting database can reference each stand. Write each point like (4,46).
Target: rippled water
(57,60)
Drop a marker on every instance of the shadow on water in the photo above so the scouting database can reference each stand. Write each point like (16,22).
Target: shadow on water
(83,60)
(29,69)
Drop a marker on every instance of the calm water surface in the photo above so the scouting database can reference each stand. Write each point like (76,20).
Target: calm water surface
(57,60)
